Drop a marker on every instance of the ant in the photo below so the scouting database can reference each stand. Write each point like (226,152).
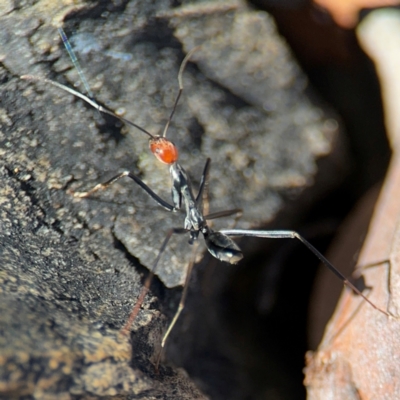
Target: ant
(218,243)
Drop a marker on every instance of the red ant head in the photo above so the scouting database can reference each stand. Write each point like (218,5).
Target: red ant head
(164,150)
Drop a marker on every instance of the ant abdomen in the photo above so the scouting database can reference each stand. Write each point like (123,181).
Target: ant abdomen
(223,247)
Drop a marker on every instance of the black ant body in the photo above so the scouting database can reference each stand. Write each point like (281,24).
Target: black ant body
(219,243)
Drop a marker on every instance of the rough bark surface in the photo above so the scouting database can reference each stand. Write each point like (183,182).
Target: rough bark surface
(71,269)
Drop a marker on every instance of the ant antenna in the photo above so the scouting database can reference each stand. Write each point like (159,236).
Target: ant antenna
(180,81)
(87,99)
(75,61)
(157,140)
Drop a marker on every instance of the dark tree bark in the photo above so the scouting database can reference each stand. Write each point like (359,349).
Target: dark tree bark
(71,269)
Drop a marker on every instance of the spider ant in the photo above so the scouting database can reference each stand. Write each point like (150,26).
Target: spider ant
(218,243)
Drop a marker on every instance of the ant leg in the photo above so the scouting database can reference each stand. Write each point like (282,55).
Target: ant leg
(125,330)
(181,306)
(201,202)
(222,214)
(102,186)
(203,188)
(295,235)
(202,196)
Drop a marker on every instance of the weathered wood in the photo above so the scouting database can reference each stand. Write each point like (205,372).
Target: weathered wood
(71,269)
